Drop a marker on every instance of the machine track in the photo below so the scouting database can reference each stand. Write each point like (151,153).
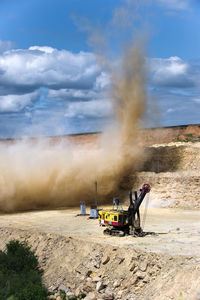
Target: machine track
(114,232)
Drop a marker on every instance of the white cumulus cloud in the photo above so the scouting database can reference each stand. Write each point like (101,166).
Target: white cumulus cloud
(171,72)
(68,77)
(15,103)
(45,49)
(45,66)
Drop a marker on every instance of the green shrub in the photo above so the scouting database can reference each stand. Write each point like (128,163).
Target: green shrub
(179,139)
(62,295)
(19,277)
(32,292)
(82,296)
(18,257)
(189,135)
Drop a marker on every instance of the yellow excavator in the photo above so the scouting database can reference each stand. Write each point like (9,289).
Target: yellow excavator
(121,222)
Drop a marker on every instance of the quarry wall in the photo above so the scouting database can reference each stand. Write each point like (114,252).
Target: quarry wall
(149,136)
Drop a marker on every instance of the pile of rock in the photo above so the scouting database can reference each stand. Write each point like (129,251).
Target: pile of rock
(109,277)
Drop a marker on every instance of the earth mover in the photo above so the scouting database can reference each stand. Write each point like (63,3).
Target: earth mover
(121,222)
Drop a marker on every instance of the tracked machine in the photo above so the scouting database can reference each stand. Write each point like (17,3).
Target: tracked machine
(121,222)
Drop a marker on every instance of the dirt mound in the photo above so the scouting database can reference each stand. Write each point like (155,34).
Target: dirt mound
(109,272)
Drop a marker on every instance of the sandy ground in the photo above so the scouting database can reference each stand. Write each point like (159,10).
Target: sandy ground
(177,231)
(69,246)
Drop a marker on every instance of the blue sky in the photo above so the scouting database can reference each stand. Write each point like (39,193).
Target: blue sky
(50,82)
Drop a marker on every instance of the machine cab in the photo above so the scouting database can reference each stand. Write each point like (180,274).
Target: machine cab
(111,217)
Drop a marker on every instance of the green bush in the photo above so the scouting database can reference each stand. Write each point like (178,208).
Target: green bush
(19,277)
(32,291)
(18,257)
(189,135)
(62,295)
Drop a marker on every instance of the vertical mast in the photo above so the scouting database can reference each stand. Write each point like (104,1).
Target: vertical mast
(96,194)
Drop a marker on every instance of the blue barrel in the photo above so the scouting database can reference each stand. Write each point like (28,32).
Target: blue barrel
(83,208)
(94,213)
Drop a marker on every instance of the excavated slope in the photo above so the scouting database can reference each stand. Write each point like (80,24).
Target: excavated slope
(173,171)
(108,272)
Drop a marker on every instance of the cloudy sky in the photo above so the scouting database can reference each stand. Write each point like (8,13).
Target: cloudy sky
(51,82)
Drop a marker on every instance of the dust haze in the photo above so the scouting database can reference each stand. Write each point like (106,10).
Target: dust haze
(38,175)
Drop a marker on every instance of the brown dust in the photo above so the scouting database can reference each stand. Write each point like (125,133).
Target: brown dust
(38,175)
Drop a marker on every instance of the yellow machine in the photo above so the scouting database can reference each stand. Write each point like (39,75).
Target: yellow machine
(120,222)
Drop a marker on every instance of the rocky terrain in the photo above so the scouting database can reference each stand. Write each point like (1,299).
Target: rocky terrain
(109,272)
(76,257)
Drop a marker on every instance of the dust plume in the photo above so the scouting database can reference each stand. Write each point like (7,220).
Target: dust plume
(38,175)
